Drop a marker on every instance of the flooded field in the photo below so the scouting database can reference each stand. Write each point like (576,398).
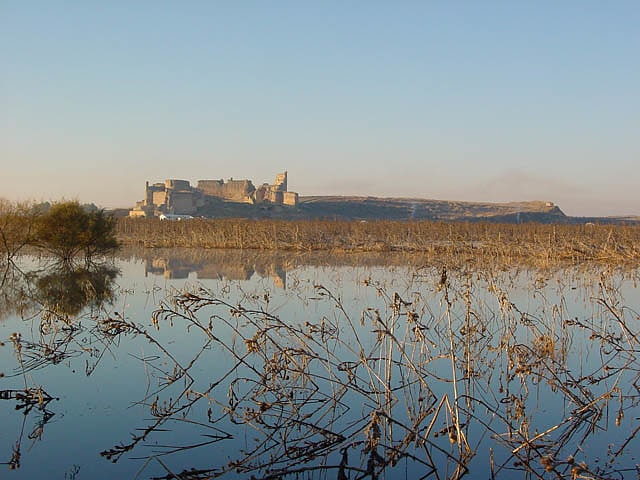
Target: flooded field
(180,364)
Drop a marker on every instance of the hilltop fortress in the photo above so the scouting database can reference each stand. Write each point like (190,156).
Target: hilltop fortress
(178,197)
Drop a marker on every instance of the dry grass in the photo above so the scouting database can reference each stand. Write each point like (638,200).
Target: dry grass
(424,375)
(505,243)
(362,396)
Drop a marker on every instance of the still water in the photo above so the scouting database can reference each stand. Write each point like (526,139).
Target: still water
(228,364)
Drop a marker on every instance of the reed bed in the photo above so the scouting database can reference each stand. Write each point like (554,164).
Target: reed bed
(441,374)
(460,242)
(411,386)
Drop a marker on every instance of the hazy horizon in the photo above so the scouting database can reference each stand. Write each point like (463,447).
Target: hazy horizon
(473,101)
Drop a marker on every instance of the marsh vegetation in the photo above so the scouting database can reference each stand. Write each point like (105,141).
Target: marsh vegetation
(396,371)
(319,349)
(458,243)
(65,231)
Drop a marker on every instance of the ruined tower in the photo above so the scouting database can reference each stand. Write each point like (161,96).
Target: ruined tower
(280,184)
(178,197)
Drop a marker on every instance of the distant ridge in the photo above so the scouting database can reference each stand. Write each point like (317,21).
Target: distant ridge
(380,208)
(361,208)
(371,208)
(354,208)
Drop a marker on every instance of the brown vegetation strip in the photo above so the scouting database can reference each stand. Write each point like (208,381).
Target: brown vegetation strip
(507,243)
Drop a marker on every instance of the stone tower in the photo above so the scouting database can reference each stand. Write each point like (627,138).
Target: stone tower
(280,184)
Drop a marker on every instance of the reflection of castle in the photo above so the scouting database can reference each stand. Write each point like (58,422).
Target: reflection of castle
(174,268)
(178,197)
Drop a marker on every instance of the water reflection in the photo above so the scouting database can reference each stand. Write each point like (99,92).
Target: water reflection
(60,289)
(174,268)
(68,291)
(28,400)
(217,265)
(13,288)
(448,378)
(242,265)
(54,296)
(396,372)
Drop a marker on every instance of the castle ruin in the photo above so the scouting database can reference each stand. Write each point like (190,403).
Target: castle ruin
(178,197)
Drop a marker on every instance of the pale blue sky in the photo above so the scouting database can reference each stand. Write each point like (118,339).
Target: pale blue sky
(460,100)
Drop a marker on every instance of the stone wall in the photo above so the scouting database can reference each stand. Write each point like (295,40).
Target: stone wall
(178,197)
(182,203)
(275,196)
(173,184)
(290,198)
(159,198)
(281,182)
(238,190)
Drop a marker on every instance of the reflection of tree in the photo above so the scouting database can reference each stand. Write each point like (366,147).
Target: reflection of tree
(50,297)
(67,291)
(14,296)
(60,289)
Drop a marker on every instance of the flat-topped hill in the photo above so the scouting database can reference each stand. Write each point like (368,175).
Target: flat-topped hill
(370,208)
(357,208)
(376,208)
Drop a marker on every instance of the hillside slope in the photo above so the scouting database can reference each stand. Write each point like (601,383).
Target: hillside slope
(376,208)
(370,208)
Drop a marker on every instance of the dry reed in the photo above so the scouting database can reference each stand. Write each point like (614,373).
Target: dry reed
(415,381)
(504,243)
